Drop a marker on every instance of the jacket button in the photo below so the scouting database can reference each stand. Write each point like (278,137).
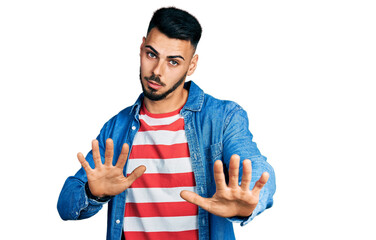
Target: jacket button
(117,221)
(133,127)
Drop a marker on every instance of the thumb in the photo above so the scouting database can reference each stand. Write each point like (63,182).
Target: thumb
(134,175)
(195,199)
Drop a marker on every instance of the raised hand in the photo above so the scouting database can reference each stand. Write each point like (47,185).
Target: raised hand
(230,200)
(107,179)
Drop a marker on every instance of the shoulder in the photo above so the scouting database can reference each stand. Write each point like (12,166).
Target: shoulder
(127,113)
(222,108)
(211,102)
(123,115)
(123,120)
(202,102)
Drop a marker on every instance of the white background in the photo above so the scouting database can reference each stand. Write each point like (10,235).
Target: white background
(303,70)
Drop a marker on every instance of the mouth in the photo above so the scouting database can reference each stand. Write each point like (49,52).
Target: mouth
(153,85)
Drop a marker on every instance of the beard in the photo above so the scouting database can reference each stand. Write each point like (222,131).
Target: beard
(151,93)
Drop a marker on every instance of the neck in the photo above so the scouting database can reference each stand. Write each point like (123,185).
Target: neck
(172,102)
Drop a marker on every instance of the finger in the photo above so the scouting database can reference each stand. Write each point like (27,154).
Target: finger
(219,176)
(196,199)
(123,156)
(84,163)
(135,174)
(109,153)
(234,171)
(96,153)
(247,175)
(260,183)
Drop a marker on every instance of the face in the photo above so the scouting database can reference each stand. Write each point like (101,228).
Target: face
(165,63)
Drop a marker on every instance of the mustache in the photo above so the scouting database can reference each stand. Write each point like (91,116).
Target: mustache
(155,79)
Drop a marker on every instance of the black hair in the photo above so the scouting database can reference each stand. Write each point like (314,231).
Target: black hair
(176,23)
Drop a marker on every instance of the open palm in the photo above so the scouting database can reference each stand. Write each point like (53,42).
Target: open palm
(230,200)
(107,179)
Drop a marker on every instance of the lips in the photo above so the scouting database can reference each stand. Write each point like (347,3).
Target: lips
(154,85)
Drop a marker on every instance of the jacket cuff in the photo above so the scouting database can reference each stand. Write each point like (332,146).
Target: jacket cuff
(244,220)
(94,199)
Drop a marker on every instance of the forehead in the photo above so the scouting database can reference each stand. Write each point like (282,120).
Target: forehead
(168,46)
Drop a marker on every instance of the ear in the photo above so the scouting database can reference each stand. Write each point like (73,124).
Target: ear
(192,65)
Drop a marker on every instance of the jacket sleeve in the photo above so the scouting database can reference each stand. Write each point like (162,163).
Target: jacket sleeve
(73,202)
(237,139)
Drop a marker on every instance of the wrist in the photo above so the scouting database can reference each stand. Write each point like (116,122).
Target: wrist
(93,197)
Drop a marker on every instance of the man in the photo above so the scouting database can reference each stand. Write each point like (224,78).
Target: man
(155,162)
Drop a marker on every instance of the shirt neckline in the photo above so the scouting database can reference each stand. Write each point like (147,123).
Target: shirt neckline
(159,115)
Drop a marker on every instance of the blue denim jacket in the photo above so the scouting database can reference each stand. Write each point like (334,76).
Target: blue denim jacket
(215,130)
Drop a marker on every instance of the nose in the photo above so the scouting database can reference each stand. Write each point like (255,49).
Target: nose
(158,68)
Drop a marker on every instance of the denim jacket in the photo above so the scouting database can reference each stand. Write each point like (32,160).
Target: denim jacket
(215,130)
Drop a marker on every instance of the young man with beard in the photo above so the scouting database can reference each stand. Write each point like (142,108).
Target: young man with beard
(178,164)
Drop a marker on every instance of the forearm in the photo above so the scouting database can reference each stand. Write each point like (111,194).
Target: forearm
(238,140)
(73,203)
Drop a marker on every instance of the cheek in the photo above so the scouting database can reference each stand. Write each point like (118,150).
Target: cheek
(147,64)
(144,65)
(142,61)
(173,77)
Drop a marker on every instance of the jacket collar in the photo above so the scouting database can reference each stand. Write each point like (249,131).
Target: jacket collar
(194,102)
(137,105)
(195,97)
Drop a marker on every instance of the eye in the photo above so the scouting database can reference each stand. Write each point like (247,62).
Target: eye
(151,55)
(173,62)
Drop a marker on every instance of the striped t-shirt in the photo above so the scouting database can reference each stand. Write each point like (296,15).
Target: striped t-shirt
(154,208)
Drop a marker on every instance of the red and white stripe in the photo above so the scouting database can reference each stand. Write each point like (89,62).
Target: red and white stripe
(154,208)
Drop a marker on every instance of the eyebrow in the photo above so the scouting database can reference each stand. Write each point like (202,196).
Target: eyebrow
(157,53)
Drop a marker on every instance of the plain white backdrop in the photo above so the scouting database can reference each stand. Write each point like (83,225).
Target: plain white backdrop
(303,70)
